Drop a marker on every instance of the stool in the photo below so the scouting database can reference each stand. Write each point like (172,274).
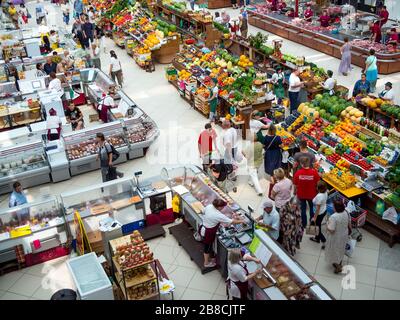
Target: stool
(64,294)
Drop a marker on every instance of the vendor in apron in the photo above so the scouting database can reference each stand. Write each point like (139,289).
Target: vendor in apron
(212,218)
(238,274)
(105,105)
(278,79)
(213,100)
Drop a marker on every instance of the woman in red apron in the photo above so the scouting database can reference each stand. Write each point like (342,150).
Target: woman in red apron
(105,105)
(239,275)
(212,218)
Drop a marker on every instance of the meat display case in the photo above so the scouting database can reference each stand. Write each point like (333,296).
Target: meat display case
(141,131)
(26,163)
(41,220)
(81,147)
(283,278)
(118,199)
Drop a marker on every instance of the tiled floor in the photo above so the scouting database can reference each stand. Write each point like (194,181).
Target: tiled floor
(376,266)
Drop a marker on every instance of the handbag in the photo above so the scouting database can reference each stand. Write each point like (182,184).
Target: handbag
(111,173)
(350,245)
(312,230)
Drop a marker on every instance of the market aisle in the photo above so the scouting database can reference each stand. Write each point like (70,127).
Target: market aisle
(377,266)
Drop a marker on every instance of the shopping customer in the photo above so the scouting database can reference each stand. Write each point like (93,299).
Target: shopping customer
(371,70)
(234,4)
(40,12)
(106,154)
(18,198)
(213,99)
(225,18)
(212,218)
(78,8)
(238,274)
(65,12)
(278,80)
(50,66)
(282,190)
(192,2)
(338,229)
(243,26)
(254,155)
(362,86)
(95,61)
(273,154)
(270,219)
(39,71)
(291,228)
(305,187)
(255,123)
(206,144)
(74,116)
(115,68)
(88,31)
(345,62)
(319,203)
(295,85)
(304,152)
(230,142)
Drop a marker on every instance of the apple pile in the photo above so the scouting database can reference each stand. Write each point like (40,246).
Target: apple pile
(356,159)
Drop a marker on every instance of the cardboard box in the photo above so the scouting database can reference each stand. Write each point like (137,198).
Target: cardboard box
(93,117)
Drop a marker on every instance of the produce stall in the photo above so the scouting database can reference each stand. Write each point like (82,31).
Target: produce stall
(325,41)
(239,94)
(218,4)
(26,163)
(282,277)
(198,24)
(37,226)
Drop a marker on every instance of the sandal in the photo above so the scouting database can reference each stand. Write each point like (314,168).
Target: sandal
(314,240)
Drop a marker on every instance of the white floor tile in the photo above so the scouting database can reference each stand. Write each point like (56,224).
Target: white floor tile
(2,293)
(192,294)
(218,297)
(386,294)
(307,261)
(178,292)
(388,279)
(326,269)
(9,279)
(221,289)
(182,276)
(183,260)
(166,254)
(13,296)
(368,241)
(309,247)
(333,285)
(365,274)
(206,282)
(362,292)
(26,285)
(365,256)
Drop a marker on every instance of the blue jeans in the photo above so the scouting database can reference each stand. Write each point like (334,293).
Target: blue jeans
(66,19)
(192,5)
(294,101)
(303,207)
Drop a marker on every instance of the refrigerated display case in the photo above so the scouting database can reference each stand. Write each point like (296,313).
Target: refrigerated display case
(26,163)
(96,82)
(141,131)
(118,199)
(38,226)
(81,147)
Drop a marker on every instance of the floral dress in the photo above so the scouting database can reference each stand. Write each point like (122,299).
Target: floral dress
(291,228)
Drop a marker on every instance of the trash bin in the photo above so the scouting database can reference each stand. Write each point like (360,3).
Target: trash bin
(64,294)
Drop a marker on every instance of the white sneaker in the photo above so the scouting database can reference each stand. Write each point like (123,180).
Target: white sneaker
(210,265)
(251,184)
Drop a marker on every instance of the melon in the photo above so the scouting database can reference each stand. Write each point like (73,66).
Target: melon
(353,112)
(353,118)
(343,113)
(348,109)
(359,114)
(316,114)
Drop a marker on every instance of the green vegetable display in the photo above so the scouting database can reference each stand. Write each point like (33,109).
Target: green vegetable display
(258,40)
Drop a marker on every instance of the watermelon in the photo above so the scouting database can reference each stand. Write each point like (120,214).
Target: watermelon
(172,28)
(333,119)
(318,97)
(322,113)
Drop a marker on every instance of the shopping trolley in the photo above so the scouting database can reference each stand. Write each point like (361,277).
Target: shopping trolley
(358,217)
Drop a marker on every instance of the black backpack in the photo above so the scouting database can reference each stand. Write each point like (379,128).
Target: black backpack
(115,153)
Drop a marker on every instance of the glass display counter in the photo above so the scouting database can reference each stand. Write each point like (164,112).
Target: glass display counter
(81,147)
(26,163)
(118,199)
(42,220)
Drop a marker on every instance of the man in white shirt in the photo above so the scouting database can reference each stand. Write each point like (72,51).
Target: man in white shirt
(329,84)
(229,141)
(55,84)
(270,219)
(295,85)
(388,93)
(255,124)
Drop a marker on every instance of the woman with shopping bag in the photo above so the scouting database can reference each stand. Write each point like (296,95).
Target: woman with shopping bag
(338,228)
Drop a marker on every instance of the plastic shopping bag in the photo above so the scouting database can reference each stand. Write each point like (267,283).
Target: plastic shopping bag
(391,215)
(350,245)
(351,207)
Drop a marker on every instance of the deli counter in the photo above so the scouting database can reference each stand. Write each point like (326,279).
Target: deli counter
(37,226)
(26,163)
(282,277)
(81,146)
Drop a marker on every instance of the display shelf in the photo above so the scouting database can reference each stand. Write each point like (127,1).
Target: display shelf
(136,280)
(120,270)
